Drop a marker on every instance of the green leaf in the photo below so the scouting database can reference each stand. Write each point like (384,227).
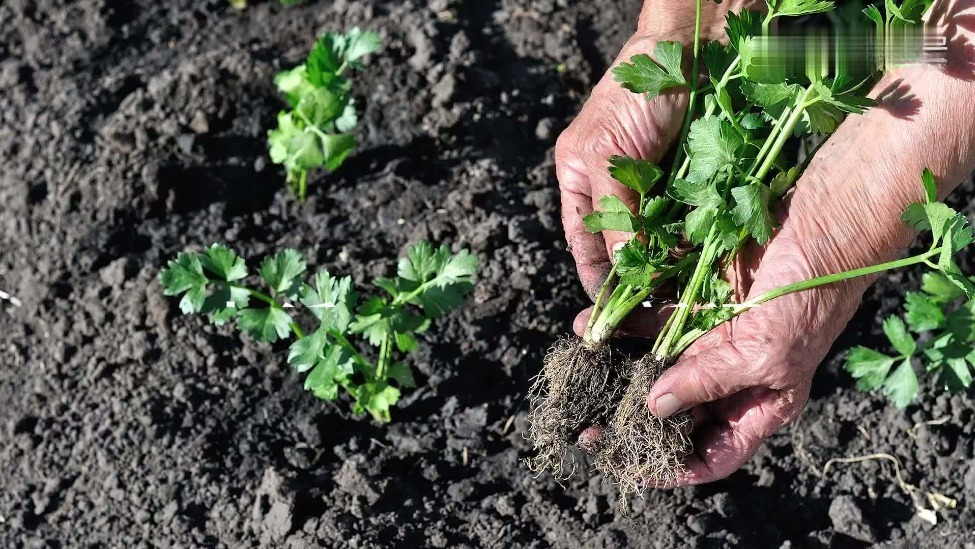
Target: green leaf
(224,263)
(752,121)
(868,366)
(265,325)
(402,375)
(901,386)
(910,11)
(321,106)
(873,12)
(336,148)
(694,193)
(333,368)
(405,342)
(930,187)
(223,304)
(821,118)
(960,323)
(359,43)
(897,334)
(712,144)
(956,375)
(752,210)
(773,98)
(331,300)
(184,275)
(639,175)
(373,320)
(376,398)
(613,216)
(783,181)
(643,75)
(939,288)
(636,266)
(717,58)
(922,313)
(795,8)
(294,147)
(935,217)
(726,231)
(953,273)
(306,352)
(742,25)
(762,61)
(294,84)
(432,279)
(281,271)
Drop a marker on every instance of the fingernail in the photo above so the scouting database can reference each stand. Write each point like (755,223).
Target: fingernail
(666,405)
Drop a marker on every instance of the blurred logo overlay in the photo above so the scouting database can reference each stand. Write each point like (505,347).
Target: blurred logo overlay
(820,52)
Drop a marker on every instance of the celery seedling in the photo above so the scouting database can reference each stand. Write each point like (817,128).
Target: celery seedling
(315,133)
(430,282)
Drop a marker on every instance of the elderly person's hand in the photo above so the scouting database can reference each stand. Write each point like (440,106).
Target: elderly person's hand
(749,377)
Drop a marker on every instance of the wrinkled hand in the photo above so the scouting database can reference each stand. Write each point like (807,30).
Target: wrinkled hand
(613,122)
(749,377)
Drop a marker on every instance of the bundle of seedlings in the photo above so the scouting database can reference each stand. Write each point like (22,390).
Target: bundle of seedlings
(754,111)
(429,283)
(316,131)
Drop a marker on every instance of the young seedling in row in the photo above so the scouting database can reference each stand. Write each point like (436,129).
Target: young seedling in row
(730,169)
(941,315)
(315,133)
(430,282)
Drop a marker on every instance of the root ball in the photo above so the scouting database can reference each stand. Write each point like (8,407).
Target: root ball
(638,448)
(577,388)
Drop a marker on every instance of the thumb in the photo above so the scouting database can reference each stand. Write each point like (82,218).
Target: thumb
(712,374)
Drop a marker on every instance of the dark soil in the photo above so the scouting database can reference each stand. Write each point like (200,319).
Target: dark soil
(133,130)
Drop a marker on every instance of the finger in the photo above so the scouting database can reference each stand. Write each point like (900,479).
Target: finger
(642,322)
(722,447)
(720,371)
(587,249)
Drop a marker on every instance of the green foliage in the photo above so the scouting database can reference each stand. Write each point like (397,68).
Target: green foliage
(943,311)
(315,133)
(942,322)
(735,161)
(430,282)
(643,75)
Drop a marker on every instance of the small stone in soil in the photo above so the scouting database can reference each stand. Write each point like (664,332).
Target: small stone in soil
(848,519)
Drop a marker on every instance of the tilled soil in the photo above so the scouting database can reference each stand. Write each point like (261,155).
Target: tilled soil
(133,130)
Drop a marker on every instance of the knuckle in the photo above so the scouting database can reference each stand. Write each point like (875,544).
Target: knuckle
(708,387)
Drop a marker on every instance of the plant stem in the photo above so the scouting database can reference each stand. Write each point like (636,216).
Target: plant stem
(784,134)
(675,325)
(303,185)
(838,277)
(383,362)
(691,99)
(692,335)
(587,336)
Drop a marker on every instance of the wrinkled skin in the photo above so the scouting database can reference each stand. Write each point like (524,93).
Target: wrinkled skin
(751,376)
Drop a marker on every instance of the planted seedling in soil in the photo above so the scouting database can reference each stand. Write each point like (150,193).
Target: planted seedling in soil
(731,168)
(316,132)
(430,282)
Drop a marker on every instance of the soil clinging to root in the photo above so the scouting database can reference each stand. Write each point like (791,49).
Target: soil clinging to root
(638,448)
(579,387)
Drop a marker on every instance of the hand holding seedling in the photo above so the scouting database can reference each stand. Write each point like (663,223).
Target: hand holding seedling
(617,122)
(744,377)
